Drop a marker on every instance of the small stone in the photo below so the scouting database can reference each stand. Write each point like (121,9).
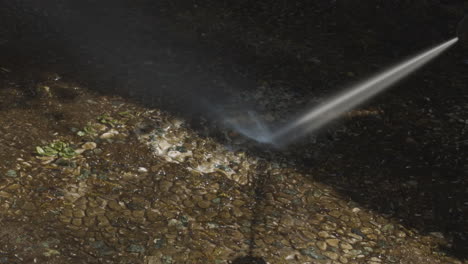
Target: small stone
(311,253)
(97,151)
(89,221)
(375,259)
(5,194)
(355,252)
(238,203)
(134,248)
(297,202)
(204,204)
(212,225)
(287,220)
(114,205)
(51,252)
(216,200)
(102,220)
(209,196)
(167,260)
(159,242)
(142,170)
(317,193)
(333,242)
(95,211)
(400,234)
(152,215)
(343,259)
(102,248)
(79,232)
(152,260)
(89,146)
(79,213)
(236,235)
(67,212)
(366,230)
(388,228)
(188,203)
(81,201)
(237,212)
(345,218)
(375,224)
(346,246)
(321,245)
(309,235)
(76,222)
(11,174)
(269,240)
(164,185)
(79,151)
(64,219)
(93,203)
(110,134)
(355,237)
(174,222)
(138,213)
(368,249)
(331,255)
(335,213)
(13,187)
(357,232)
(327,227)
(65,163)
(28,206)
(291,257)
(323,234)
(225,214)
(269,197)
(110,229)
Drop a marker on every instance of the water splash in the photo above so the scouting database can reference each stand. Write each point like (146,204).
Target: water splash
(253,127)
(247,123)
(334,107)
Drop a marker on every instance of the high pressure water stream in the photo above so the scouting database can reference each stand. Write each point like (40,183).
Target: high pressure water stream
(315,118)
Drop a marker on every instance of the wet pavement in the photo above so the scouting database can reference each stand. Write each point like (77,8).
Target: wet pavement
(88,178)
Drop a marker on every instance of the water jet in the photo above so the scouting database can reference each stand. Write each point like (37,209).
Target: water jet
(334,107)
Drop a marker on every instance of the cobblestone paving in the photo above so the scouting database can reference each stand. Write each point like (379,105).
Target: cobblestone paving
(128,184)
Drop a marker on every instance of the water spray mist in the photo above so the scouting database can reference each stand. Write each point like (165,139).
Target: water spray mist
(315,118)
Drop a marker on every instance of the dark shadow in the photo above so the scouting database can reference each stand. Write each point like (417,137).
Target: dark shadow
(249,260)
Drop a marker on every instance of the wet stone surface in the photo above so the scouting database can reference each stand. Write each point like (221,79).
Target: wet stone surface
(119,183)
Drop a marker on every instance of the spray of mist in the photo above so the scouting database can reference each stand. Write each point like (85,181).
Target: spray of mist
(315,118)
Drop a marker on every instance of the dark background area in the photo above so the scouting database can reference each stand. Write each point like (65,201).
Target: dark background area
(309,45)
(410,165)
